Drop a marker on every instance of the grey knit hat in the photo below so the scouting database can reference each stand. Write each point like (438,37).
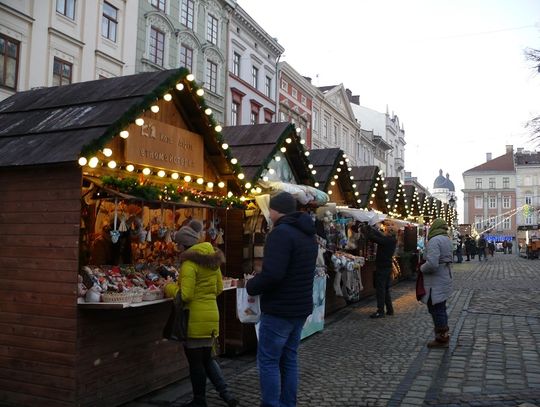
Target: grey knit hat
(283,203)
(189,235)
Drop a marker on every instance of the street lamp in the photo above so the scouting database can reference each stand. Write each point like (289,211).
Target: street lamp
(452,203)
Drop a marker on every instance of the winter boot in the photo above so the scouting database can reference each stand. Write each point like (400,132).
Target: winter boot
(441,338)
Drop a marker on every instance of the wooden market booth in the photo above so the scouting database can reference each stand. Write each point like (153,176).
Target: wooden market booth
(54,143)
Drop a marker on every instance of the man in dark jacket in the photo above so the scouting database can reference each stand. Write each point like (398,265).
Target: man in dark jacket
(386,246)
(286,288)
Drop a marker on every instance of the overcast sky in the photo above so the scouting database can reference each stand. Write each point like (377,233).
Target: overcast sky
(453,71)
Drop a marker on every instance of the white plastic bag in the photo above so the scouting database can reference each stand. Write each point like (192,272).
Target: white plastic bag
(248,307)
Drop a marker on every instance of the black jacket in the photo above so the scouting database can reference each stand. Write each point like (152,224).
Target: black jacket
(286,280)
(386,246)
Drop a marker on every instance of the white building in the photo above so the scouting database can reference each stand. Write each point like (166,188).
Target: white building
(388,138)
(253,65)
(56,42)
(336,125)
(527,165)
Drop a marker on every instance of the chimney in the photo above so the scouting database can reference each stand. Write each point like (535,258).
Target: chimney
(307,78)
(349,94)
(355,100)
(488,156)
(509,149)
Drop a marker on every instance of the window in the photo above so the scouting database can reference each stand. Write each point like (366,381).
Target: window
(478,202)
(159,4)
(492,202)
(255,77)
(315,120)
(268,115)
(284,84)
(211,76)
(303,100)
(157,46)
(506,223)
(528,200)
(268,86)
(186,57)
(492,183)
(236,64)
(325,128)
(109,22)
(506,182)
(186,14)
(529,219)
(506,202)
(478,222)
(235,113)
(478,183)
(346,139)
(282,116)
(294,93)
(61,72)
(528,180)
(212,29)
(254,118)
(336,134)
(66,8)
(9,62)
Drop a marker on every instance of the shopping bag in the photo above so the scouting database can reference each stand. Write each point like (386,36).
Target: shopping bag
(248,307)
(177,325)
(420,289)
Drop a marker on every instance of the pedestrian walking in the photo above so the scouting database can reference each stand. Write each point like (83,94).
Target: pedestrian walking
(386,246)
(200,283)
(285,285)
(468,247)
(459,249)
(491,248)
(509,245)
(438,280)
(481,245)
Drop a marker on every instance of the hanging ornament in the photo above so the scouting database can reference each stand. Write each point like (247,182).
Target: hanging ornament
(115,234)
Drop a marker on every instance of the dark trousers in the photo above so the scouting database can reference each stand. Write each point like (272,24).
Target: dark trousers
(382,288)
(202,366)
(438,313)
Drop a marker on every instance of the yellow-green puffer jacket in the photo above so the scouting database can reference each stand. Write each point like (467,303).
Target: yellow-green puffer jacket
(201,282)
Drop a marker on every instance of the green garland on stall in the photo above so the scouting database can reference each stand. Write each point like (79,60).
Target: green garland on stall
(169,193)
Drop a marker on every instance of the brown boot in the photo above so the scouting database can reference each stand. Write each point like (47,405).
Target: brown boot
(441,338)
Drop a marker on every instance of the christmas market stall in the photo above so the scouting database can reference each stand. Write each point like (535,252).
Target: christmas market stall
(274,159)
(96,178)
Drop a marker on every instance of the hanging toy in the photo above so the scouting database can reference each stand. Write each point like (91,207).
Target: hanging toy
(162,229)
(115,234)
(212,232)
(219,238)
(123,225)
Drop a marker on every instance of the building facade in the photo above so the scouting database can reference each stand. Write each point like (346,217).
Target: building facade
(56,42)
(253,57)
(527,193)
(489,195)
(187,33)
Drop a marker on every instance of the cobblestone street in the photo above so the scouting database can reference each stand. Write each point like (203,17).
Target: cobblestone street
(493,358)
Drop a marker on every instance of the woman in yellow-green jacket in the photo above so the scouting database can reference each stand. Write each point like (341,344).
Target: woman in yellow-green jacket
(200,283)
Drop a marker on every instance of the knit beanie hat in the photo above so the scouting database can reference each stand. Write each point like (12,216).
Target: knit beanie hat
(438,227)
(189,235)
(283,203)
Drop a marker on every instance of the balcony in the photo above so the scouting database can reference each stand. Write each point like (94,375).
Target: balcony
(399,163)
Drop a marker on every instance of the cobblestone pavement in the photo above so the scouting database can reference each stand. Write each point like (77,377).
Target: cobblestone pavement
(493,358)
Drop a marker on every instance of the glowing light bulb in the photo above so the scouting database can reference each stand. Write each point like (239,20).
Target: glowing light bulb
(124,134)
(190,77)
(93,163)
(288,140)
(221,184)
(179,86)
(336,176)
(298,129)
(154,108)
(234,160)
(210,184)
(310,166)
(83,161)
(302,141)
(167,97)
(218,128)
(146,171)
(265,178)
(271,171)
(248,185)
(175,175)
(107,152)
(111,164)
(314,172)
(306,153)
(229,194)
(187,178)
(161,173)
(224,146)
(329,192)
(208,111)
(332,182)
(200,92)
(241,176)
(283,149)
(130,167)
(316,184)
(200,181)
(277,158)
(139,121)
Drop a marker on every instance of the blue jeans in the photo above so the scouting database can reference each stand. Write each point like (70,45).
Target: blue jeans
(277,359)
(438,313)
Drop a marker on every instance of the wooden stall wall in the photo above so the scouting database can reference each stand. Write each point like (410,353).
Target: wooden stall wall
(39,239)
(123,355)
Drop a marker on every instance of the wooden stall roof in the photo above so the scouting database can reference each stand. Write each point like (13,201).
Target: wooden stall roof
(396,197)
(256,145)
(326,161)
(411,198)
(365,178)
(57,124)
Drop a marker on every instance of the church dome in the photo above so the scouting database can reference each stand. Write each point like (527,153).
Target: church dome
(440,181)
(450,184)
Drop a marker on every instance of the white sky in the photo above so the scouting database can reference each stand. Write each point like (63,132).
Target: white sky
(453,71)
